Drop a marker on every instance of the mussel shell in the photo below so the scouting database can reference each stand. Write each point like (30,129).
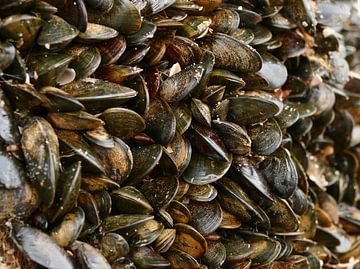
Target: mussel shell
(178,86)
(183,117)
(129,200)
(145,257)
(69,229)
(68,187)
(203,170)
(206,217)
(265,138)
(123,17)
(12,172)
(160,121)
(181,259)
(232,54)
(123,123)
(145,160)
(56,33)
(160,191)
(74,120)
(22,29)
(41,151)
(253,107)
(279,170)
(116,161)
(215,255)
(124,223)
(201,193)
(75,142)
(201,112)
(165,240)
(113,246)
(61,101)
(88,256)
(225,20)
(234,137)
(33,242)
(98,94)
(96,32)
(189,240)
(234,199)
(112,49)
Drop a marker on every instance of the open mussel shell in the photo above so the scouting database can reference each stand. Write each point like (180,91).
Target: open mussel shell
(242,108)
(129,200)
(232,54)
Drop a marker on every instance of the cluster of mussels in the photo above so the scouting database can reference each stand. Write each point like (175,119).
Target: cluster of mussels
(179,134)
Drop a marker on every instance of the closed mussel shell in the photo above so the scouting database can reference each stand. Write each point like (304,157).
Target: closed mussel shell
(96,33)
(232,54)
(266,137)
(242,108)
(190,240)
(69,229)
(85,60)
(41,150)
(113,246)
(88,256)
(56,33)
(205,216)
(179,212)
(33,242)
(145,257)
(129,200)
(123,123)
(160,191)
(160,121)
(67,191)
(279,170)
(74,120)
